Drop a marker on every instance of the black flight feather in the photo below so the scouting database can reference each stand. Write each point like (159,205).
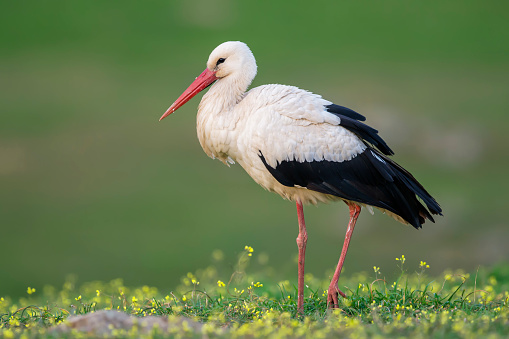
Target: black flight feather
(350,121)
(369,178)
(345,111)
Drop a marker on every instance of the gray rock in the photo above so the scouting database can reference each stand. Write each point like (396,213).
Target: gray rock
(109,322)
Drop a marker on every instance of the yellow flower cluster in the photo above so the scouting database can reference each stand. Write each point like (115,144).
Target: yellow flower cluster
(190,279)
(249,250)
(402,259)
(239,292)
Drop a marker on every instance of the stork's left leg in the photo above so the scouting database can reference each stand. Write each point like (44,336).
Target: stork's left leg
(332,294)
(302,240)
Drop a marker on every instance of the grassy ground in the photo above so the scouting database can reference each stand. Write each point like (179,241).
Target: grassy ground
(242,303)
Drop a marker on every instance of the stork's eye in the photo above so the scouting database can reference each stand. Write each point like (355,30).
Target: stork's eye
(220,61)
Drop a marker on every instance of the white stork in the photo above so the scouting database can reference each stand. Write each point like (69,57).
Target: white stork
(302,147)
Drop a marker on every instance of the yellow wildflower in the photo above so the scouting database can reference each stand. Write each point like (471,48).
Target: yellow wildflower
(402,259)
(249,250)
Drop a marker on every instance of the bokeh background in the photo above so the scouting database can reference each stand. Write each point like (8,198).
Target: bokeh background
(92,184)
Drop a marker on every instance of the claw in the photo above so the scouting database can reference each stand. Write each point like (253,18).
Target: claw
(332,296)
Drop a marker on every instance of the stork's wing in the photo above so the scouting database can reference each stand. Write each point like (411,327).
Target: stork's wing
(288,123)
(306,141)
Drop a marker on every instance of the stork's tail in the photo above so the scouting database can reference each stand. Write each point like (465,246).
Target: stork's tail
(411,191)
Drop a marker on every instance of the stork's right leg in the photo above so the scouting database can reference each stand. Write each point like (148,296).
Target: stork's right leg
(332,294)
(302,240)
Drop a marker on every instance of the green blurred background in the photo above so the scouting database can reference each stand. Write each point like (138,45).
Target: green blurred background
(92,184)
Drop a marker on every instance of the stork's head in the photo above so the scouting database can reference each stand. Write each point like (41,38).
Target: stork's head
(231,60)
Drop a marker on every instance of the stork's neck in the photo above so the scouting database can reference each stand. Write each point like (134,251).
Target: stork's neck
(217,119)
(224,95)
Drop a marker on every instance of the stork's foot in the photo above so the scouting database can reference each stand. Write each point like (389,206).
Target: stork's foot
(332,296)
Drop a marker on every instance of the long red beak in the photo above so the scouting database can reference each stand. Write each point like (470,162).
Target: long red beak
(199,84)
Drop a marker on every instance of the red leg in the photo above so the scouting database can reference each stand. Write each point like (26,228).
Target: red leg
(302,240)
(332,295)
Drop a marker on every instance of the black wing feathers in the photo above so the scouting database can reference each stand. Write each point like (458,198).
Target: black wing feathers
(349,120)
(344,111)
(369,178)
